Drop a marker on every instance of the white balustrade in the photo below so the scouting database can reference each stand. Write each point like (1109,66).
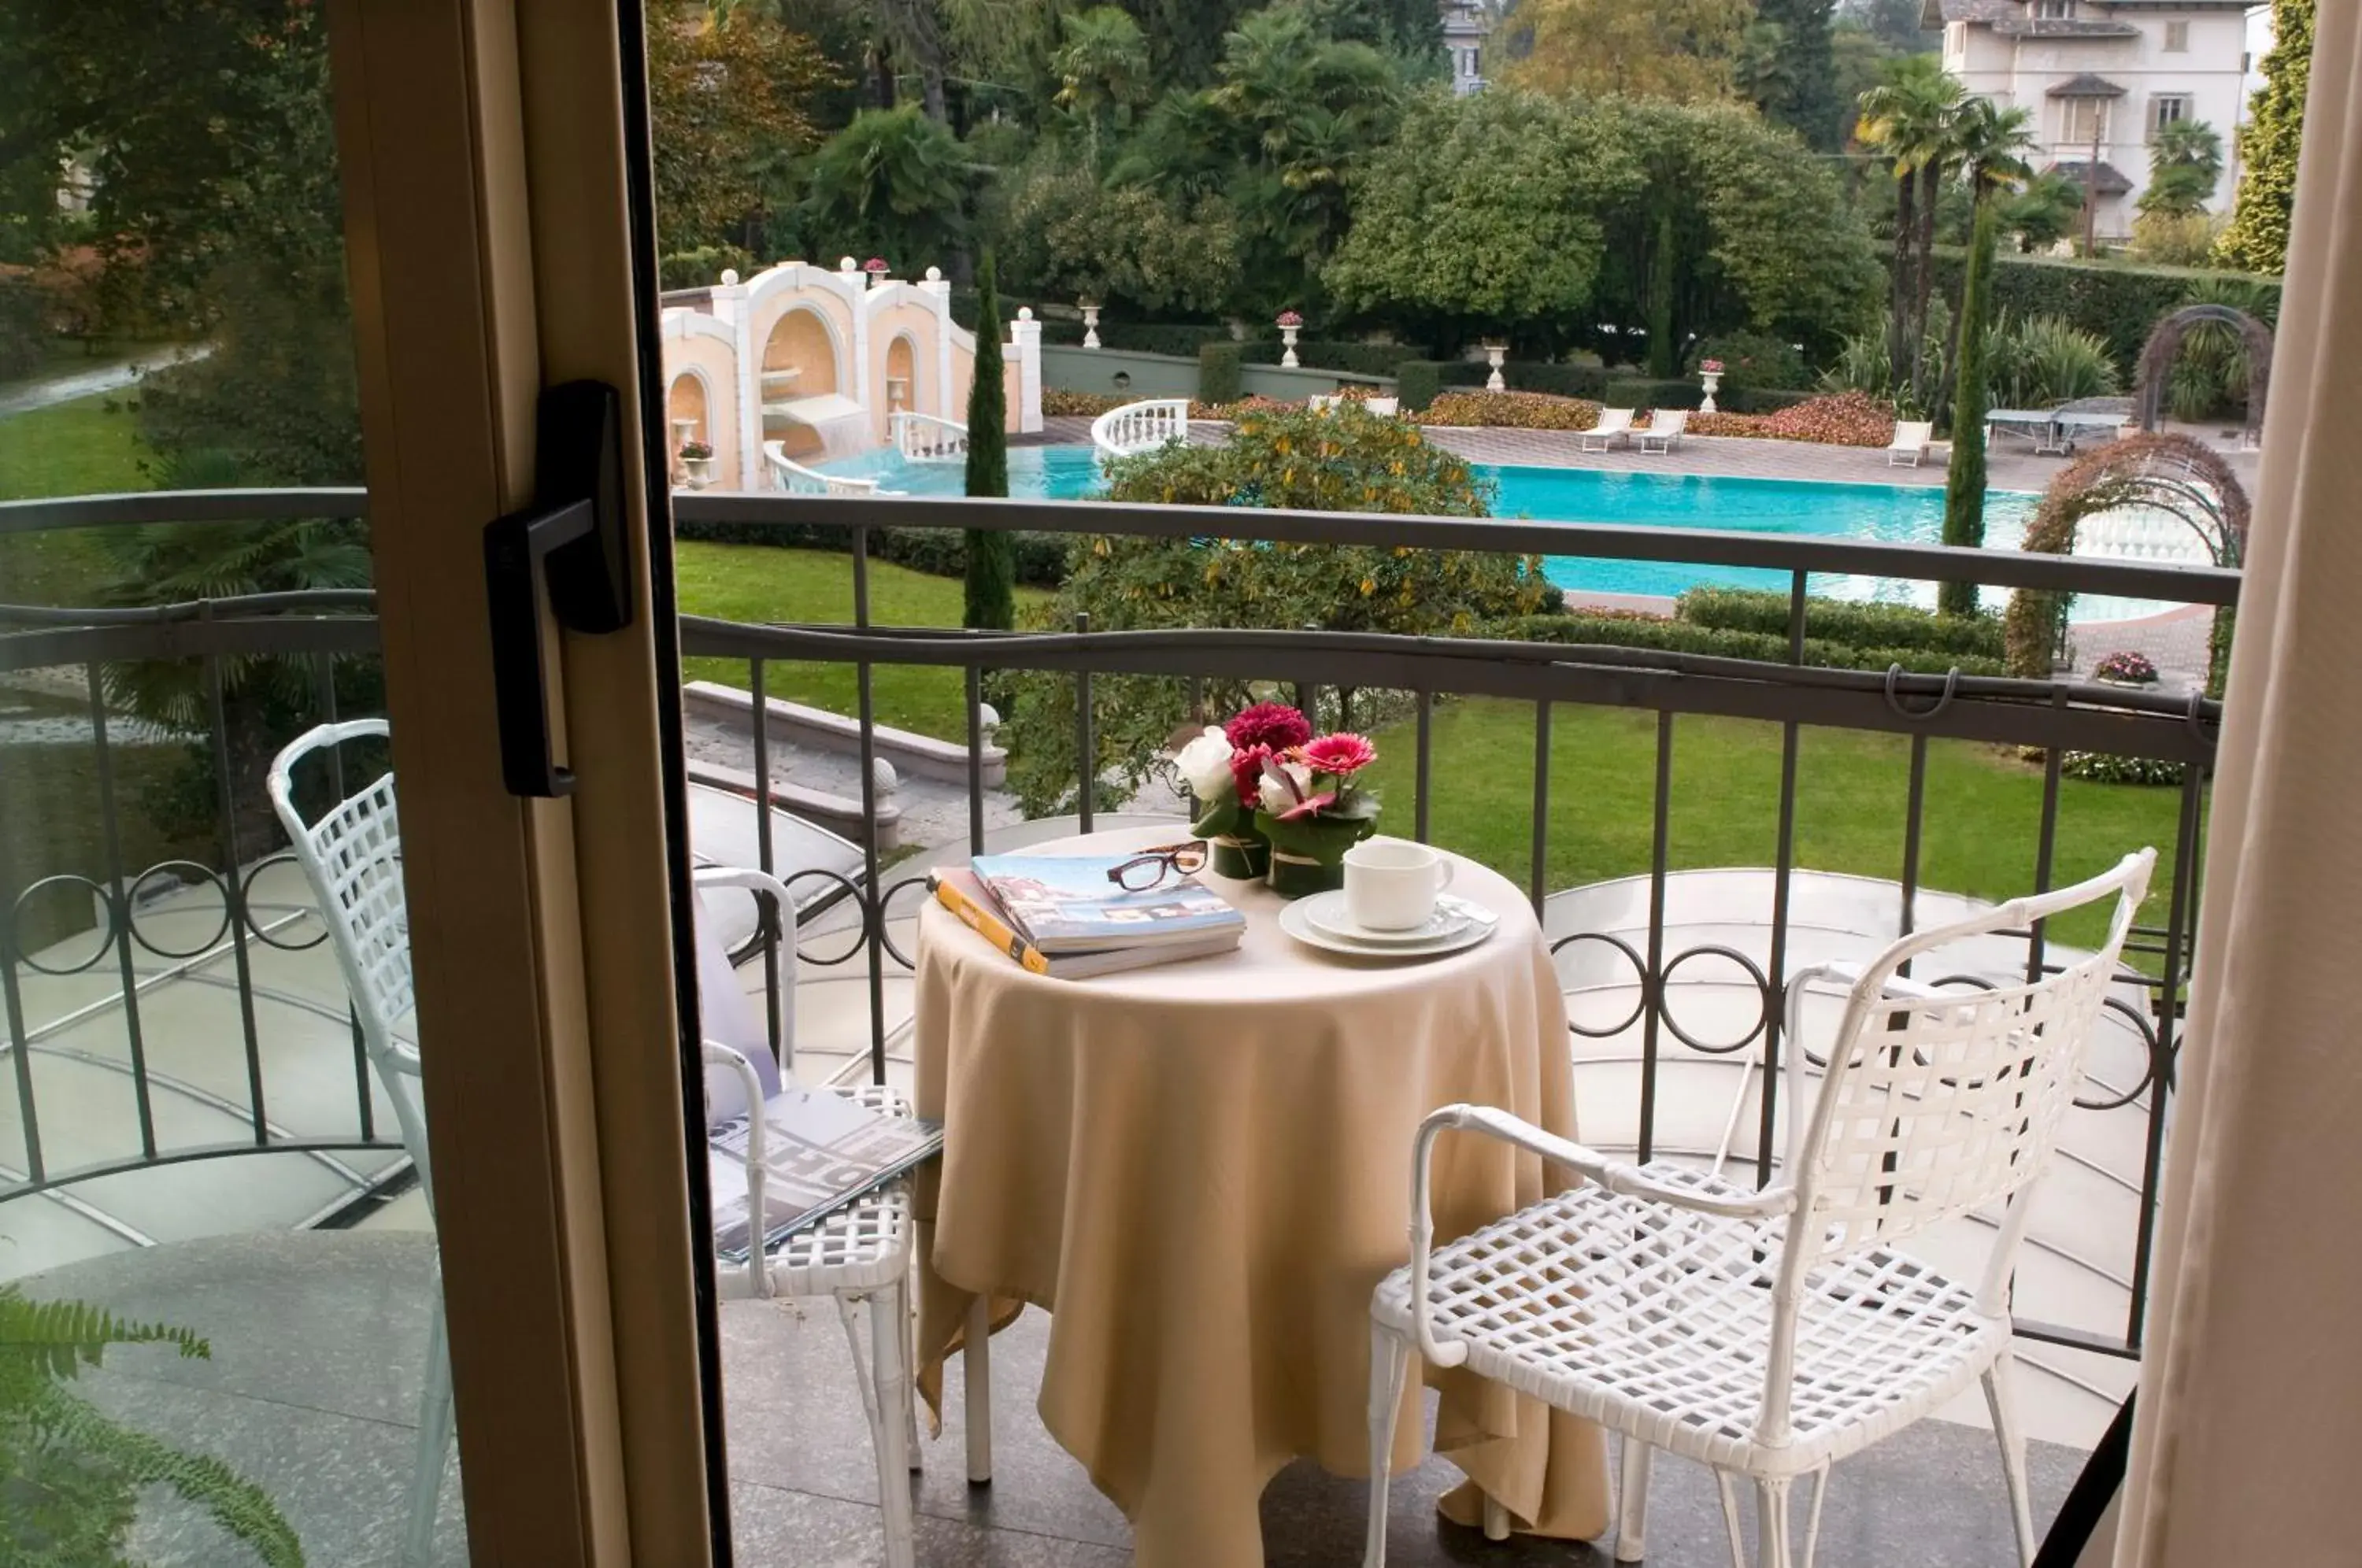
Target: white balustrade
(792,478)
(1140,426)
(929,439)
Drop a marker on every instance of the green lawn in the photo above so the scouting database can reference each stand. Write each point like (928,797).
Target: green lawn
(82,447)
(759,583)
(1978,833)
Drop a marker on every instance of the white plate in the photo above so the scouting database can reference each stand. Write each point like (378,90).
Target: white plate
(1328,914)
(1294,919)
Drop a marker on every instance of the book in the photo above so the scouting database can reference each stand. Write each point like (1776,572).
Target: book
(820,1152)
(1064,904)
(962,893)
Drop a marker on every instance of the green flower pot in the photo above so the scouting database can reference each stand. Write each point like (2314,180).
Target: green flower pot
(1309,856)
(1239,850)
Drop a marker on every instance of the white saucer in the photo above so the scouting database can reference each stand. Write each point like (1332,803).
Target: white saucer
(1328,913)
(1296,920)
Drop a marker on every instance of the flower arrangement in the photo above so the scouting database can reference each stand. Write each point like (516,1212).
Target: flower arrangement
(2126,669)
(1290,318)
(695,452)
(1711,367)
(876,267)
(1276,800)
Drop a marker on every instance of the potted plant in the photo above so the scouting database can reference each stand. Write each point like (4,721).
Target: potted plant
(1289,325)
(2126,669)
(1710,373)
(697,459)
(1090,309)
(1223,769)
(876,269)
(1312,810)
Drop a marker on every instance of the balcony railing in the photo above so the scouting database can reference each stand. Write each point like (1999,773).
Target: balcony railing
(1325,672)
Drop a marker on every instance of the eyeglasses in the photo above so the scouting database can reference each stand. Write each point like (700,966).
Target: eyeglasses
(1152,865)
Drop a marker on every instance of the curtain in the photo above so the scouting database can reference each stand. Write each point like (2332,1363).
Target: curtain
(2250,1415)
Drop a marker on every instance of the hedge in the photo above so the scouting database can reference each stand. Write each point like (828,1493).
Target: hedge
(1416,382)
(1846,621)
(2118,302)
(1217,372)
(938,552)
(1181,340)
(1686,636)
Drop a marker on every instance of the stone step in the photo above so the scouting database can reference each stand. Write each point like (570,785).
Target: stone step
(794,723)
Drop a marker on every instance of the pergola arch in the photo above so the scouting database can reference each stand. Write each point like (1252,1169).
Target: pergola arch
(2165,341)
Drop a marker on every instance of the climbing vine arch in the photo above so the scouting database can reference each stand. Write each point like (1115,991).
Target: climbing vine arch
(2173,474)
(2165,341)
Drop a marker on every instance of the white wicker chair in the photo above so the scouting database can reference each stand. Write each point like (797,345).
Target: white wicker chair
(1768,1333)
(351,856)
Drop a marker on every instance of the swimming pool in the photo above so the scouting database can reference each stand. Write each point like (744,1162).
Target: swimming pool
(1899,513)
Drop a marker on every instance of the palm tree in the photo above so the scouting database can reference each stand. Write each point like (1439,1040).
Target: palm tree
(1102,68)
(1909,118)
(2184,161)
(1990,145)
(893,182)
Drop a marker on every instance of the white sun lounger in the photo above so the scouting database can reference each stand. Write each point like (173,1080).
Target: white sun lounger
(1615,425)
(1910,442)
(1664,431)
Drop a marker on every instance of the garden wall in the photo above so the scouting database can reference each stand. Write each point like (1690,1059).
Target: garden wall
(1069,369)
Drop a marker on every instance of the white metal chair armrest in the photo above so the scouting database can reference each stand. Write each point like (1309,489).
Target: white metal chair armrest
(1615,1176)
(715,1053)
(1901,987)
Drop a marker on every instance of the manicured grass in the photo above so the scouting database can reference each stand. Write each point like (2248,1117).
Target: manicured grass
(760,584)
(82,447)
(1978,833)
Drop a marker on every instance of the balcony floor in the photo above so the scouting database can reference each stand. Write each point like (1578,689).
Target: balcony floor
(317,1344)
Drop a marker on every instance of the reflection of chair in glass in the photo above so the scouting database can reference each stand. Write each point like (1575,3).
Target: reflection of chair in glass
(1769,1333)
(861,1255)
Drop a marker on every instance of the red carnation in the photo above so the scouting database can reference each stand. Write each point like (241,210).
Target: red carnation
(1339,754)
(1246,771)
(1274,725)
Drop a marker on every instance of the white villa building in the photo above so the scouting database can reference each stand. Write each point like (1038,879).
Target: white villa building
(1465,24)
(2105,72)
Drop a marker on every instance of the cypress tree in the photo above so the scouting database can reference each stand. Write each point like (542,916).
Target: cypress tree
(1802,92)
(2258,237)
(991,553)
(1964,482)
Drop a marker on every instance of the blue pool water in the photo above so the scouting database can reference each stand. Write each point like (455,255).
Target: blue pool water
(1907,514)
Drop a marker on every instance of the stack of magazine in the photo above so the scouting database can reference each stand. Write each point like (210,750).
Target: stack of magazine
(1060,914)
(820,1153)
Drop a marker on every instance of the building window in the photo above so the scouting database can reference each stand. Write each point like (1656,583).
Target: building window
(2082,121)
(2165,109)
(1955,37)
(2177,37)
(2053,10)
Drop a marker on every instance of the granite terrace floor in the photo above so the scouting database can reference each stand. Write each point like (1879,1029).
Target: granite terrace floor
(318,1344)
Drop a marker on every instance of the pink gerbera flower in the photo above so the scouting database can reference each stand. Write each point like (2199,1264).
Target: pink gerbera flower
(1273,724)
(1339,754)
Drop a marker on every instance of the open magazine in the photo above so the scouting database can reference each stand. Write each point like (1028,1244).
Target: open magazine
(820,1152)
(1064,904)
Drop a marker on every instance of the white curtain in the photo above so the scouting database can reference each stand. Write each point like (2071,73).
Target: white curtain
(2250,1416)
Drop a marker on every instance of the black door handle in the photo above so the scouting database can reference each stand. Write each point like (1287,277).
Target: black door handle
(573,545)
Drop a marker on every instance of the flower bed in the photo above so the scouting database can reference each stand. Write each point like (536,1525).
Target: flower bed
(1844,419)
(1513,411)
(1088,406)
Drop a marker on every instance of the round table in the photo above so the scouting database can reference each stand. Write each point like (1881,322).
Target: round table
(1202,1169)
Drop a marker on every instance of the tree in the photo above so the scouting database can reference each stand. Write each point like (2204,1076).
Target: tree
(1482,215)
(1964,481)
(991,601)
(893,184)
(2044,212)
(1909,119)
(728,99)
(1102,70)
(1066,235)
(2257,240)
(1990,146)
(1682,50)
(2185,160)
(1801,93)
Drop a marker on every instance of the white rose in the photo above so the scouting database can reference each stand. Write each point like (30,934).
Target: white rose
(1205,764)
(1277,796)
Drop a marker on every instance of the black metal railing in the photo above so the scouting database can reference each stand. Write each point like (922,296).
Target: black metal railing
(2055,716)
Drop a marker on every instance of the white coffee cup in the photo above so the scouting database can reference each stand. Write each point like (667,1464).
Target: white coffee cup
(1391,883)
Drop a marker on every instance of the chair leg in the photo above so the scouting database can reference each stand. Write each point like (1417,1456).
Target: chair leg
(1813,1518)
(1728,1489)
(1632,1502)
(889,1327)
(1771,1546)
(2003,1402)
(1496,1518)
(910,1384)
(865,1376)
(434,1440)
(976,1360)
(1389,1362)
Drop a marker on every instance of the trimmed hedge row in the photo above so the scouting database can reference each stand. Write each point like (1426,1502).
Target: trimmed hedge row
(938,552)
(1857,625)
(1219,379)
(2119,303)
(1589,383)
(1686,636)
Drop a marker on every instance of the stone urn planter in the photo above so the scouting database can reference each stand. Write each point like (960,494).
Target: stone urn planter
(1091,324)
(1494,354)
(1710,376)
(1289,325)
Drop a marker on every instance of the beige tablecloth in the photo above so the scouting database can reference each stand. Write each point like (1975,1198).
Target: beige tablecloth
(1202,1170)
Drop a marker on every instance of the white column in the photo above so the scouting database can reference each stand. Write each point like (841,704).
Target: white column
(1025,342)
(940,290)
(734,307)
